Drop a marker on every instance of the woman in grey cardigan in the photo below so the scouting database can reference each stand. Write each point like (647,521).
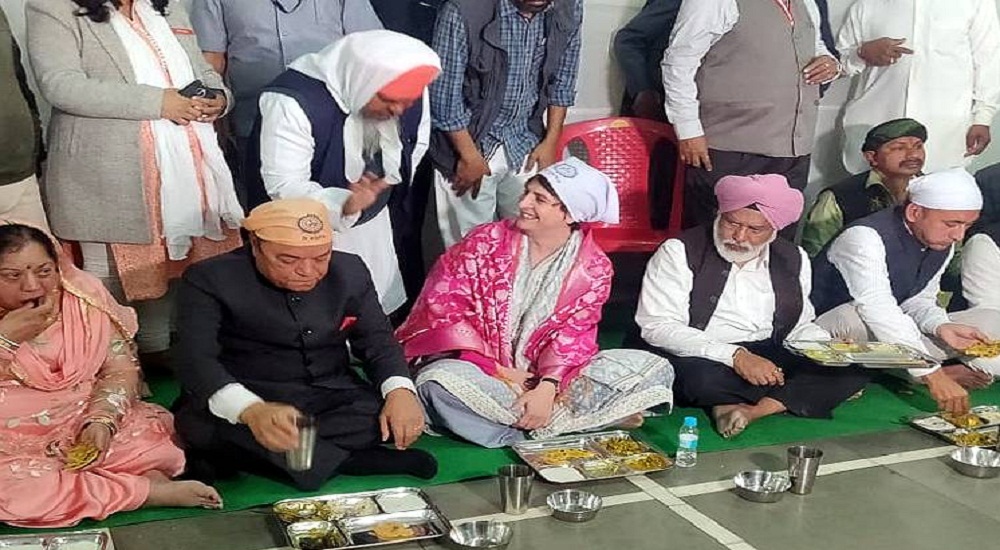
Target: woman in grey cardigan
(135,173)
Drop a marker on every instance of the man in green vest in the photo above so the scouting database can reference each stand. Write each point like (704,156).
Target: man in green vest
(895,152)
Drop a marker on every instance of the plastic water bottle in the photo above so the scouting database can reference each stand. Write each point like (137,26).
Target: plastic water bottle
(687,447)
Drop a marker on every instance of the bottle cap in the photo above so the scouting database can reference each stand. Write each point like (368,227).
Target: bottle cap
(690,422)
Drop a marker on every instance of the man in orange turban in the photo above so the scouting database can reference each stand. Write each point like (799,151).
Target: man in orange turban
(263,341)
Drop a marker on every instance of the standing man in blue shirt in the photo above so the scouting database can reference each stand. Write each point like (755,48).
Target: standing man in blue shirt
(251,42)
(506,64)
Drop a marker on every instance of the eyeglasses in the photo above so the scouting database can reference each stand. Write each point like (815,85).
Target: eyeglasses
(752,230)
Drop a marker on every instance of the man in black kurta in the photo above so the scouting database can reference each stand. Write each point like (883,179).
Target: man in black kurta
(263,338)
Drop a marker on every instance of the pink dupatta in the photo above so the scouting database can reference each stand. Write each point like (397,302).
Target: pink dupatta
(90,317)
(465,307)
(54,374)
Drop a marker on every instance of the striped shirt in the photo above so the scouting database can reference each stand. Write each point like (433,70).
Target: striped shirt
(524,41)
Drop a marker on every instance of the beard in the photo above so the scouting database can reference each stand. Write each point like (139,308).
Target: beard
(738,253)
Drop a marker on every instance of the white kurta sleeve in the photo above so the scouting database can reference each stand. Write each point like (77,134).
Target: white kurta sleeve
(397,382)
(807,329)
(817,21)
(229,402)
(849,40)
(663,316)
(286,154)
(859,256)
(984,36)
(981,272)
(699,25)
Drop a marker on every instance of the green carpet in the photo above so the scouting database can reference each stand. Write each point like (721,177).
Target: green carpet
(882,408)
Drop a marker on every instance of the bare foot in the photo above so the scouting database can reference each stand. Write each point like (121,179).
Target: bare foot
(631,422)
(184,494)
(731,420)
(968,377)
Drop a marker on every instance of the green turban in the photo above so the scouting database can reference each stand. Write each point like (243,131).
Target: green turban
(894,129)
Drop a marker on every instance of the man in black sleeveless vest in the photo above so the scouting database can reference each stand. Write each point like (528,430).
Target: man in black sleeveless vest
(343,126)
(720,301)
(880,279)
(895,152)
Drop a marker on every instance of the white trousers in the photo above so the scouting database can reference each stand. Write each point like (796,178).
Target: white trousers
(845,322)
(372,241)
(498,197)
(154,315)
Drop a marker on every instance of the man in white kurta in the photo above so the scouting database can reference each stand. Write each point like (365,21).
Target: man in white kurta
(932,60)
(981,268)
(880,279)
(363,73)
(719,302)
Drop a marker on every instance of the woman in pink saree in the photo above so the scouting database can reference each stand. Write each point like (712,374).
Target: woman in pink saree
(504,335)
(69,380)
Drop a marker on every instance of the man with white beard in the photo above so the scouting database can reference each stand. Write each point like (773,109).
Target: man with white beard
(720,300)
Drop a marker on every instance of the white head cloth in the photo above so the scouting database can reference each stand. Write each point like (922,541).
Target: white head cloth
(953,189)
(354,69)
(587,193)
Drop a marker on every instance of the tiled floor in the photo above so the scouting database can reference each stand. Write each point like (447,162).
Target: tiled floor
(879,492)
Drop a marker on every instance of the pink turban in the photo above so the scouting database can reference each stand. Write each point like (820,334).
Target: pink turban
(770,193)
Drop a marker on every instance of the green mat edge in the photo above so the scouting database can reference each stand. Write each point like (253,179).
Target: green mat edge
(897,399)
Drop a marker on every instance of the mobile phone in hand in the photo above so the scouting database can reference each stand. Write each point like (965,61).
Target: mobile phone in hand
(197,89)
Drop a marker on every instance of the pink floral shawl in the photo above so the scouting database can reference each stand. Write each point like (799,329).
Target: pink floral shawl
(465,306)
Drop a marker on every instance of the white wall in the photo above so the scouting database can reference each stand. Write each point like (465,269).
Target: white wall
(600,86)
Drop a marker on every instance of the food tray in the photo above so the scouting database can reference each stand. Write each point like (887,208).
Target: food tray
(355,516)
(80,540)
(603,455)
(983,431)
(878,355)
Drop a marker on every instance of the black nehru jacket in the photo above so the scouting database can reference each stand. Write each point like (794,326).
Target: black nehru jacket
(711,273)
(235,326)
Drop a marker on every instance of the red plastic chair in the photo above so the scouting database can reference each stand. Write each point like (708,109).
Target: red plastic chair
(622,148)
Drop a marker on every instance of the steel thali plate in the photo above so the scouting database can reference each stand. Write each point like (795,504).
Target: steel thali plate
(876,355)
(980,428)
(79,540)
(602,455)
(355,515)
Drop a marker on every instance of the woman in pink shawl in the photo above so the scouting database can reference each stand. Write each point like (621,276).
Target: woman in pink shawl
(69,380)
(504,334)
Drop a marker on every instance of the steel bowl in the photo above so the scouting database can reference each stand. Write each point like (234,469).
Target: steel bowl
(574,505)
(761,485)
(481,534)
(975,462)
